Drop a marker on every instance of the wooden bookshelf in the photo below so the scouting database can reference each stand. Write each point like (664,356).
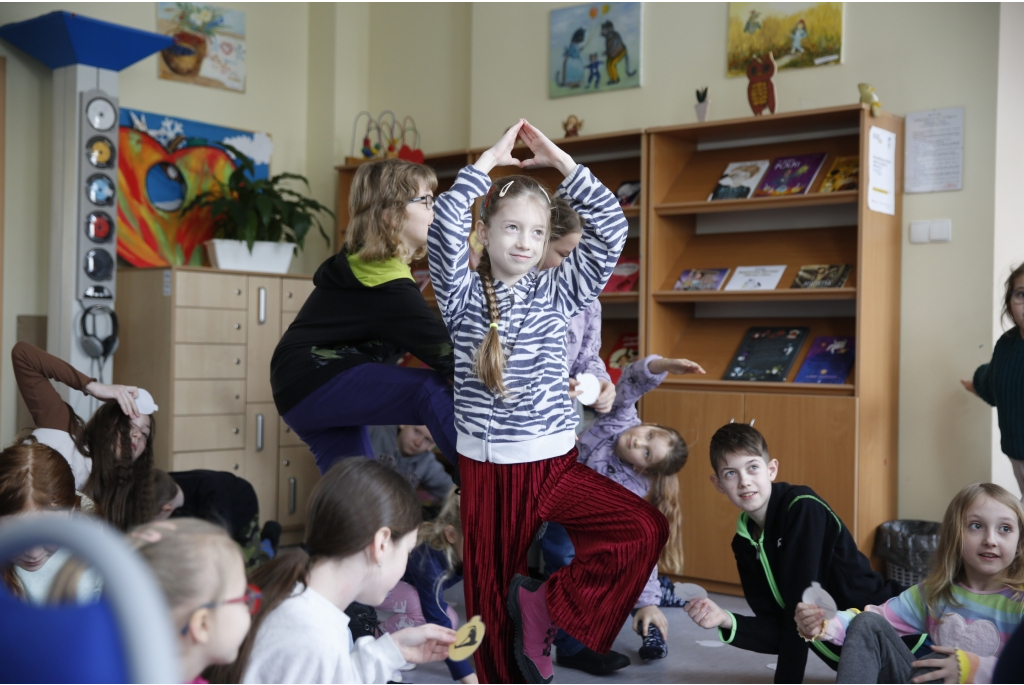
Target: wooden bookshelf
(841,439)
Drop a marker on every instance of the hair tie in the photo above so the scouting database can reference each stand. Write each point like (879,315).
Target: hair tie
(305,548)
(493,325)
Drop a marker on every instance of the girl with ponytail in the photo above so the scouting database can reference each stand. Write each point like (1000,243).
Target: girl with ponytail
(514,419)
(360,527)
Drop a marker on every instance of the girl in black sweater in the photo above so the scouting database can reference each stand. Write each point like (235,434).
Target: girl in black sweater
(1001,381)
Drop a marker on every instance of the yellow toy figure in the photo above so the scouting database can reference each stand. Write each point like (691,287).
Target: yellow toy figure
(868,97)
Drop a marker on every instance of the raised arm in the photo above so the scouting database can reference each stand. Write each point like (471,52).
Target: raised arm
(33,371)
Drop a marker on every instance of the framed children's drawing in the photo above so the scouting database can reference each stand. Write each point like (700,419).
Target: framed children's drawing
(797,34)
(595,48)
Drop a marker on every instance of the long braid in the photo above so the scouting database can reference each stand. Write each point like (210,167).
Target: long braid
(490,358)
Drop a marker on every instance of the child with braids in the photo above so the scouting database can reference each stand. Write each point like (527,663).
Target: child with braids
(514,419)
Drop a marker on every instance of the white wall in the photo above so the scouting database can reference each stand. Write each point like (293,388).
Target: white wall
(918,56)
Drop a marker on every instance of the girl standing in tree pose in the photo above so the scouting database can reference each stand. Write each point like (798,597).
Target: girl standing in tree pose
(515,421)
(969,604)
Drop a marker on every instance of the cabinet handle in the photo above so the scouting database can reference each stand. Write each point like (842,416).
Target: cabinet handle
(287,462)
(238,326)
(235,431)
(288,295)
(236,467)
(291,495)
(287,429)
(238,291)
(259,432)
(238,397)
(237,361)
(262,317)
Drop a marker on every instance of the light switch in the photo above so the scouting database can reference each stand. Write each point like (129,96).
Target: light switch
(920,231)
(941,231)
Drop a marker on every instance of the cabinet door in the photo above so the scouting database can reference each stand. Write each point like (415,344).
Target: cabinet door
(232,461)
(709,519)
(209,361)
(264,318)
(298,476)
(815,441)
(201,433)
(214,290)
(294,293)
(209,397)
(261,456)
(221,326)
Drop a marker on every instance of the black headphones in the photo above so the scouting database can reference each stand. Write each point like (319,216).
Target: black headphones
(94,346)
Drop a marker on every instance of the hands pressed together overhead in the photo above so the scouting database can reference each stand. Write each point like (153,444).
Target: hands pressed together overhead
(545,153)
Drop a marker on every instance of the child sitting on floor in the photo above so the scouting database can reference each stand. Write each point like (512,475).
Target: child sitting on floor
(970,603)
(410,451)
(643,458)
(786,537)
(435,565)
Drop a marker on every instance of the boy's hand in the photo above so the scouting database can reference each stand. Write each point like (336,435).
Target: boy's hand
(809,618)
(605,400)
(648,615)
(500,153)
(948,669)
(969,386)
(545,153)
(680,366)
(707,614)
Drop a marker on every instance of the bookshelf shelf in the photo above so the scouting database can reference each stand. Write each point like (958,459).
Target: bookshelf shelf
(780,295)
(632,296)
(754,386)
(755,204)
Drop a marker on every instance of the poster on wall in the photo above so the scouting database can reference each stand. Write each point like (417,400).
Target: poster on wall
(595,48)
(209,45)
(163,163)
(798,34)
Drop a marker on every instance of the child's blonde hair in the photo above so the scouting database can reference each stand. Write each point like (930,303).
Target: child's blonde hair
(664,495)
(489,364)
(947,565)
(377,200)
(434,533)
(189,558)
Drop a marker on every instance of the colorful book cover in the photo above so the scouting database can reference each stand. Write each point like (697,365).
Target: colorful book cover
(790,175)
(822,276)
(828,361)
(701,279)
(843,175)
(739,180)
(624,352)
(624,276)
(756,277)
(767,353)
(422,277)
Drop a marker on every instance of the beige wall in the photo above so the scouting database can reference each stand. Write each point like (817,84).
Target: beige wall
(465,71)
(945,435)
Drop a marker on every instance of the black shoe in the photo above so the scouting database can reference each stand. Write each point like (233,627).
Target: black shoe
(589,661)
(654,646)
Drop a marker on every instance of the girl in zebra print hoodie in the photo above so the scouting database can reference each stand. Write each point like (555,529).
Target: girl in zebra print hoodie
(514,418)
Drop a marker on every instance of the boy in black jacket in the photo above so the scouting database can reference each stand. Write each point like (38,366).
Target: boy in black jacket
(786,537)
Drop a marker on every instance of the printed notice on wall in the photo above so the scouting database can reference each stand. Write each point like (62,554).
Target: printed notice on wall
(882,171)
(935,151)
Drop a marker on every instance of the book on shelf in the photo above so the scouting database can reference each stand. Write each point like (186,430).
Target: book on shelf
(790,175)
(822,276)
(628,193)
(756,277)
(766,353)
(701,279)
(422,278)
(842,176)
(828,361)
(625,275)
(739,180)
(624,352)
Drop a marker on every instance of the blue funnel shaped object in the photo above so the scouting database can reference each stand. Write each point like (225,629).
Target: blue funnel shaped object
(61,38)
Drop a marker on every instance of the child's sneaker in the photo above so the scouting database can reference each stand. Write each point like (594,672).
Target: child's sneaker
(527,604)
(668,593)
(654,646)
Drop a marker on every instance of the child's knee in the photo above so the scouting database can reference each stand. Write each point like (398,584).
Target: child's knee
(866,622)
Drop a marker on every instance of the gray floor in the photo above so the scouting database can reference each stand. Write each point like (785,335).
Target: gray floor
(688,660)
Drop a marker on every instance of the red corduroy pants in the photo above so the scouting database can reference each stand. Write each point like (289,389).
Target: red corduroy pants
(618,538)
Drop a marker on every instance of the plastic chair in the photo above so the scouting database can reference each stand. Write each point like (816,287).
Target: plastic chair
(126,637)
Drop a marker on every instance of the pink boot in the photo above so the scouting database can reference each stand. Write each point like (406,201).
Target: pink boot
(527,604)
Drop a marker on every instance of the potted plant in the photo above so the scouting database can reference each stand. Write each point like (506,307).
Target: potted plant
(257,223)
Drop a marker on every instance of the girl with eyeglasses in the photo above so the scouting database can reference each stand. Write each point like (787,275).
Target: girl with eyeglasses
(201,572)
(1001,381)
(333,372)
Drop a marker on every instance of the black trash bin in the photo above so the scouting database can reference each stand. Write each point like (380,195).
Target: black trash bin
(906,547)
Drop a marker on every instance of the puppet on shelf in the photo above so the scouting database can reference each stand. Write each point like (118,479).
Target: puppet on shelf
(868,97)
(761,89)
(572,126)
(702,104)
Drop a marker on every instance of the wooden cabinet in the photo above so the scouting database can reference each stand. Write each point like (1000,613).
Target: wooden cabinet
(201,342)
(840,439)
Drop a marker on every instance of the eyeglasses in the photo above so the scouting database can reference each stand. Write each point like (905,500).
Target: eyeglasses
(427,200)
(251,599)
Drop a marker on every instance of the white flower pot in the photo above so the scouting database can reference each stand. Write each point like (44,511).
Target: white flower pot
(234,255)
(702,110)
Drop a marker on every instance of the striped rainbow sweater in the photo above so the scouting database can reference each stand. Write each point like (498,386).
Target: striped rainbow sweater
(537,420)
(979,626)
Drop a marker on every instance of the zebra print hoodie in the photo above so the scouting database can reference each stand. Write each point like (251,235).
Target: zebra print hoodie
(537,420)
